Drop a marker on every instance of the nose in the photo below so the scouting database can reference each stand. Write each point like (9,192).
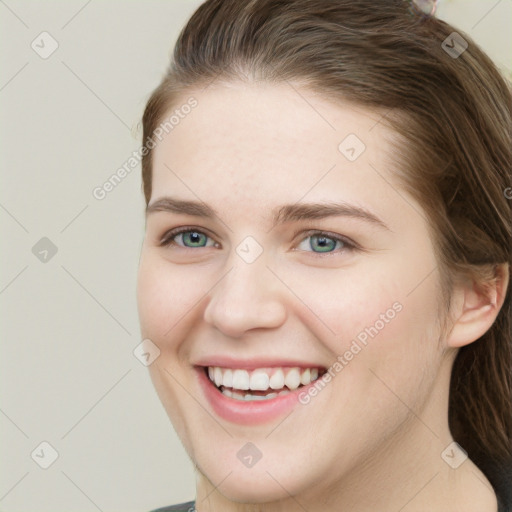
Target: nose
(248,297)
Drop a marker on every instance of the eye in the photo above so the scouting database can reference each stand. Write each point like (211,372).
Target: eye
(322,242)
(190,238)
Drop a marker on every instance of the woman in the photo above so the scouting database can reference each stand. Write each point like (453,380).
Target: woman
(325,270)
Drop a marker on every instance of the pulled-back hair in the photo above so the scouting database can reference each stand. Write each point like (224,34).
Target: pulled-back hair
(452,115)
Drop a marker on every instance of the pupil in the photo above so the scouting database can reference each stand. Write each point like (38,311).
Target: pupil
(194,237)
(322,242)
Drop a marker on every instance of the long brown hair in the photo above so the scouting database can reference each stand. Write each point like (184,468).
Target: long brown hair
(453,115)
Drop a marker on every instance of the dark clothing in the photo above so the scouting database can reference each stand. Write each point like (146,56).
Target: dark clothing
(183,507)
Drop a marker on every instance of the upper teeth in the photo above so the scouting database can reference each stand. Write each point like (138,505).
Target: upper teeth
(262,379)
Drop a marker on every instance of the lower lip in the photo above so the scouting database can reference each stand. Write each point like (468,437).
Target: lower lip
(250,412)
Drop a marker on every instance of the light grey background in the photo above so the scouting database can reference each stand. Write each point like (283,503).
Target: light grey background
(68,373)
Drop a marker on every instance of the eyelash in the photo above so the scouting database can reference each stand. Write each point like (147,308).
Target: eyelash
(348,245)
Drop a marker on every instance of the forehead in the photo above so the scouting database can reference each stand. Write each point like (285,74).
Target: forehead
(262,144)
(264,122)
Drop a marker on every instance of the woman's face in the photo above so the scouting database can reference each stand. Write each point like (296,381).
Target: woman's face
(276,281)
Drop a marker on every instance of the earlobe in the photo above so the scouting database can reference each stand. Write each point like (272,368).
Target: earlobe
(476,306)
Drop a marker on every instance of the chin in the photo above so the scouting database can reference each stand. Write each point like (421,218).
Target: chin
(251,490)
(263,483)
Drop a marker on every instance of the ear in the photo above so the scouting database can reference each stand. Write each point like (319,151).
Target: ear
(475,307)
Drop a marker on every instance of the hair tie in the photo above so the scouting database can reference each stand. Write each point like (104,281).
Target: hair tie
(424,7)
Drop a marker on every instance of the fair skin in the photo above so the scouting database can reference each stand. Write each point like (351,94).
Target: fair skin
(372,438)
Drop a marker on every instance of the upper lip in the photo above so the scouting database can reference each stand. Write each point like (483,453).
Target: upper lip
(255,362)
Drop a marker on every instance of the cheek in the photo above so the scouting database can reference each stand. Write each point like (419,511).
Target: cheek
(389,347)
(166,294)
(377,317)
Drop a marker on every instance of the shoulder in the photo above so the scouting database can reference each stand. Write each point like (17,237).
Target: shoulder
(182,507)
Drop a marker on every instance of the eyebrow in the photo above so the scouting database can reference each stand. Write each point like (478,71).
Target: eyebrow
(280,214)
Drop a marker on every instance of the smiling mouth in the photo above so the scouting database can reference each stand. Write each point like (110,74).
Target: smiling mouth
(261,383)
